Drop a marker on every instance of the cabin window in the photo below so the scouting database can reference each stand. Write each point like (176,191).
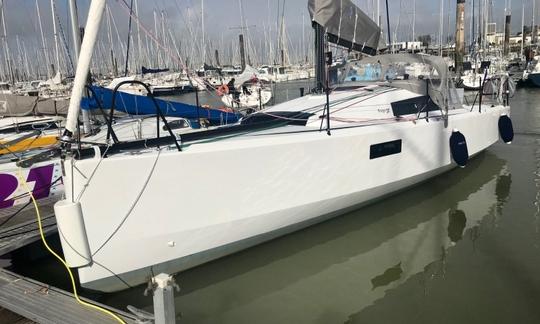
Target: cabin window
(383,149)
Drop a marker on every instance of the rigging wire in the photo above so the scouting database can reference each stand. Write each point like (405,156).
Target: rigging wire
(62,34)
(167,51)
(94,261)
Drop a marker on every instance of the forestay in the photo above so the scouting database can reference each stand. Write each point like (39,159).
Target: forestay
(346,25)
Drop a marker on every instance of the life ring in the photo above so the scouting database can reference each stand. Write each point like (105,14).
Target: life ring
(222,90)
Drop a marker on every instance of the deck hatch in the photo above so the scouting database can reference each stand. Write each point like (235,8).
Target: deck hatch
(383,149)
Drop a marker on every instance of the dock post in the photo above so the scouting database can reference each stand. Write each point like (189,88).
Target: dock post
(164,312)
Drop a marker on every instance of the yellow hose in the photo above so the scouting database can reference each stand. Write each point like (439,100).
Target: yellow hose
(38,215)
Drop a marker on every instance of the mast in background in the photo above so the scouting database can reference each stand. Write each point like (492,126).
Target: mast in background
(473,29)
(379,13)
(523,37)
(460,36)
(55,32)
(414,21)
(43,43)
(139,44)
(203,31)
(388,26)
(534,31)
(508,18)
(75,31)
(6,44)
(441,27)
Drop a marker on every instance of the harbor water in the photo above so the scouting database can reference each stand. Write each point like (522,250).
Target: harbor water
(461,248)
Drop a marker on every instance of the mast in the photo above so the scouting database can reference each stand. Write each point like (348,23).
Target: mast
(26,62)
(55,32)
(303,37)
(95,14)
(379,13)
(75,32)
(508,17)
(111,46)
(126,66)
(242,52)
(6,44)
(139,46)
(460,36)
(448,31)
(413,20)
(166,44)
(20,62)
(156,54)
(441,26)
(523,38)
(388,25)
(473,30)
(480,24)
(533,28)
(203,31)
(76,35)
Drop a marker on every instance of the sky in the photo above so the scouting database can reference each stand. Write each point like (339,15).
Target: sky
(223,17)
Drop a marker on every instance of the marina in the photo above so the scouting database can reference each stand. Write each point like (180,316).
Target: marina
(339,161)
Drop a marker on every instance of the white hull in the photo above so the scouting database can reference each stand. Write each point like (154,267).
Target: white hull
(44,177)
(263,187)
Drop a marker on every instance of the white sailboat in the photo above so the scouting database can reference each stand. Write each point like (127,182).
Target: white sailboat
(131,212)
(252,90)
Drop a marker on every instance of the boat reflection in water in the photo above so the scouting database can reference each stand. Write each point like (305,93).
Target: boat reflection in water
(328,272)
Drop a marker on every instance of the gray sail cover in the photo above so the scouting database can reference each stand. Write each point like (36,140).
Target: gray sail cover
(346,25)
(17,106)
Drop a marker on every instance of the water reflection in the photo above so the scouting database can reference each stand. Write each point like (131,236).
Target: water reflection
(504,182)
(390,275)
(537,196)
(330,271)
(456,225)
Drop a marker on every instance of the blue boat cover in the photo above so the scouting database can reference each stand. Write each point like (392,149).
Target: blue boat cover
(143,105)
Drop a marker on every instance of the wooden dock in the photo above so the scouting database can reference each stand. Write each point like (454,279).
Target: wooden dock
(6,316)
(42,303)
(24,300)
(19,225)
